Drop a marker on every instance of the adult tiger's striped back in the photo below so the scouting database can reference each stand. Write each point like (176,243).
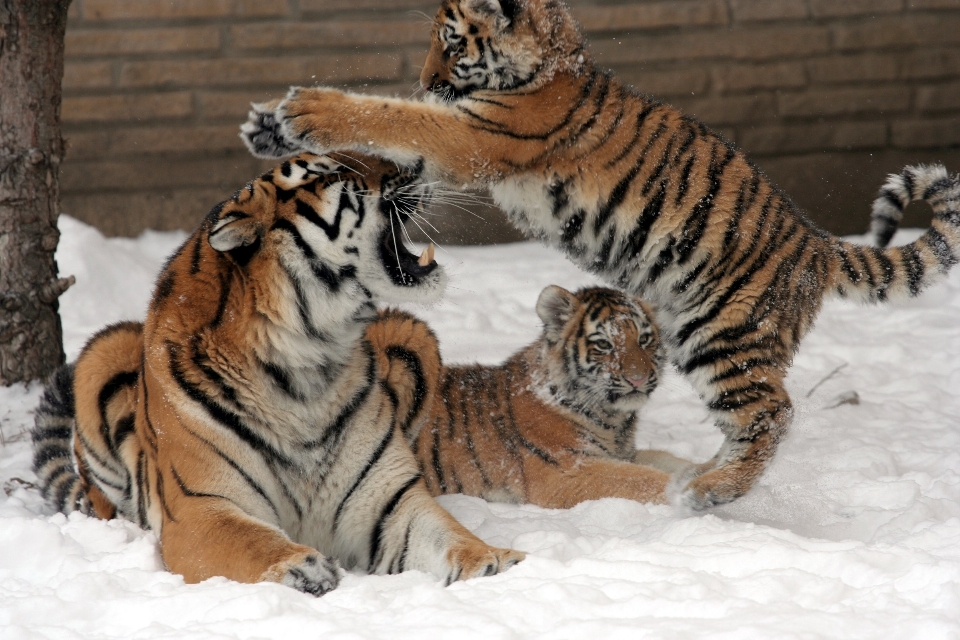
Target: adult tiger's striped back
(244,421)
(630,189)
(555,424)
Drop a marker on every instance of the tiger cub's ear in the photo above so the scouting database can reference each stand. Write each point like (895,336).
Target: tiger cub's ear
(556,306)
(503,11)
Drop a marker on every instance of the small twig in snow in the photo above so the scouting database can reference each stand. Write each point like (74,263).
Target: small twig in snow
(847,397)
(825,378)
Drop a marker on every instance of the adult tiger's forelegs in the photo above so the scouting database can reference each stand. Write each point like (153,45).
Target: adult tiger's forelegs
(209,536)
(753,418)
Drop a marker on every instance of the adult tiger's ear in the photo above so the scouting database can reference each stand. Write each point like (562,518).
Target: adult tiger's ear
(504,12)
(237,234)
(556,306)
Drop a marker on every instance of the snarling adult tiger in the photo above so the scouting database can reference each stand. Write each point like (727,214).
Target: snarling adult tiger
(555,424)
(244,421)
(630,189)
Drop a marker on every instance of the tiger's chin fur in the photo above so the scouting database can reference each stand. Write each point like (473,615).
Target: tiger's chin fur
(555,424)
(244,422)
(650,200)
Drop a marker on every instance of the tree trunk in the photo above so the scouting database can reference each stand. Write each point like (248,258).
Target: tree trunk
(31,70)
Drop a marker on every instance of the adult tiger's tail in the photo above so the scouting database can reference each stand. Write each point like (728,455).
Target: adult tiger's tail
(875,274)
(409,365)
(52,437)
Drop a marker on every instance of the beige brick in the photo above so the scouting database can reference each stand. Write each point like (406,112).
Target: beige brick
(259,71)
(165,9)
(716,111)
(821,102)
(103,42)
(152,106)
(226,173)
(182,139)
(128,214)
(261,8)
(84,145)
(942,97)
(845,8)
(927,133)
(743,77)
(329,34)
(326,6)
(853,68)
(780,139)
(743,44)
(761,10)
(683,80)
(935,63)
(933,4)
(87,75)
(891,31)
(215,105)
(205,139)
(651,15)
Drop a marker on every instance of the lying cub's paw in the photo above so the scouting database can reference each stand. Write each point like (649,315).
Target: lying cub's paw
(479,560)
(262,135)
(311,573)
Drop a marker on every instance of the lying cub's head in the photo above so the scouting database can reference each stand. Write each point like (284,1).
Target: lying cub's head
(602,348)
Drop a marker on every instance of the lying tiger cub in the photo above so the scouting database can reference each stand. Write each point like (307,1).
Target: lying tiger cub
(555,424)
(243,421)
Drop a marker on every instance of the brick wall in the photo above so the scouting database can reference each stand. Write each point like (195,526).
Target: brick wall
(827,96)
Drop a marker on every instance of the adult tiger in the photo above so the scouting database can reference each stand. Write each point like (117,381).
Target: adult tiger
(244,421)
(632,190)
(555,424)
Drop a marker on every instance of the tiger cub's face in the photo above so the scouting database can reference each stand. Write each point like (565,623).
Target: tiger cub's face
(603,347)
(334,224)
(494,44)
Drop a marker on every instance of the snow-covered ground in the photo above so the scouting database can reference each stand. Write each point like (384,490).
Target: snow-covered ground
(854,531)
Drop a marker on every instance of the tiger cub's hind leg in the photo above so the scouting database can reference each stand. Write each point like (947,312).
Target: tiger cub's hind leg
(753,412)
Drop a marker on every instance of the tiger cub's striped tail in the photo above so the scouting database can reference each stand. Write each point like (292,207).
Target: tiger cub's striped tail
(52,437)
(875,274)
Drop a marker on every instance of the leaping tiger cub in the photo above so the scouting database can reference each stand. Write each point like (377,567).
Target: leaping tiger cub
(244,421)
(555,424)
(632,190)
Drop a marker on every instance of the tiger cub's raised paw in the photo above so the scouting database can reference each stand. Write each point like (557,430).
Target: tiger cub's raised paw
(312,119)
(262,133)
(311,573)
(478,561)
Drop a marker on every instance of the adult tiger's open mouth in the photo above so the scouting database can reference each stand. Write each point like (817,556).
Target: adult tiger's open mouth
(405,268)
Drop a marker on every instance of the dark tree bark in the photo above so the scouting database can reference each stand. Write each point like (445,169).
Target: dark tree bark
(31,71)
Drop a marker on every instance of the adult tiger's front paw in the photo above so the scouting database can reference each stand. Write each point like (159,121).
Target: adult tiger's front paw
(313,119)
(310,572)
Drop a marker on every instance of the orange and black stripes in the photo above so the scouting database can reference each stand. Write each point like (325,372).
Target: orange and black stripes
(523,431)
(630,189)
(245,421)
